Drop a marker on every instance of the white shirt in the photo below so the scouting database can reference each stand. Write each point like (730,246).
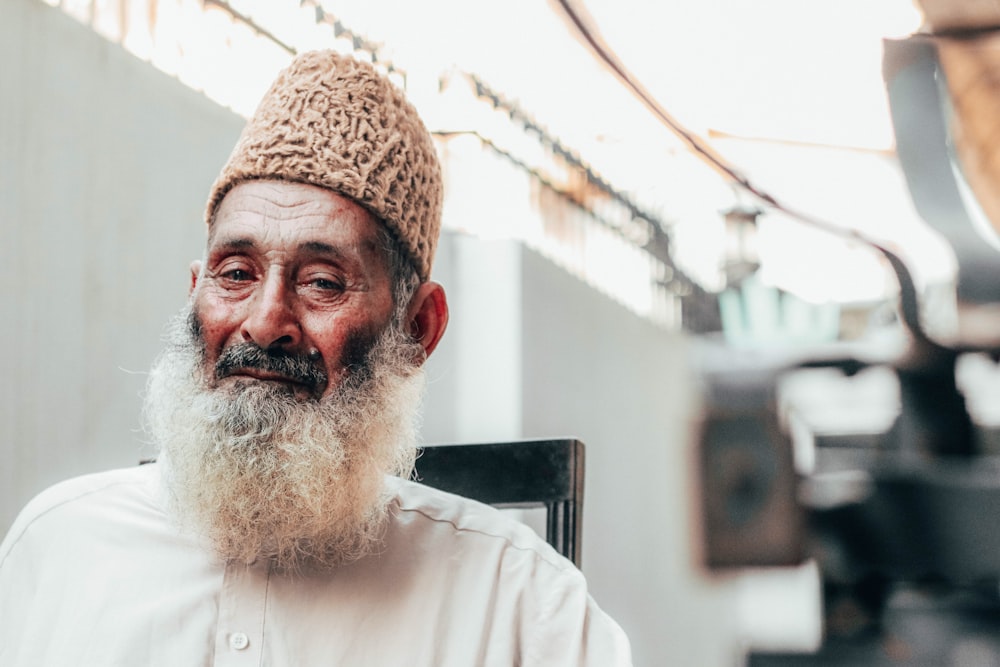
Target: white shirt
(94,573)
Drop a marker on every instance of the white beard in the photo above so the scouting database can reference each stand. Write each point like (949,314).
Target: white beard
(263,474)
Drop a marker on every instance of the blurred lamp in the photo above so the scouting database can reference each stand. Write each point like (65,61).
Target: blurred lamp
(742,257)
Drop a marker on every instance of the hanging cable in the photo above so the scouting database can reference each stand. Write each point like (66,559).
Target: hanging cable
(583,25)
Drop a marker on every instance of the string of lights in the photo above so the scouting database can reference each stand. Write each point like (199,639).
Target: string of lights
(359,43)
(657,242)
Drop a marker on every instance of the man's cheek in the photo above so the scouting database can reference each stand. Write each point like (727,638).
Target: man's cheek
(194,326)
(354,353)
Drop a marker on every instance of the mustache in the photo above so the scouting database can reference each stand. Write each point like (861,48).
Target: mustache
(303,369)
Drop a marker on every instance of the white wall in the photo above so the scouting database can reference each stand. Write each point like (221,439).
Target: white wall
(105,164)
(104,168)
(533,352)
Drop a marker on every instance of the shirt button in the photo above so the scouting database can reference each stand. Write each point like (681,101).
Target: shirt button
(239,641)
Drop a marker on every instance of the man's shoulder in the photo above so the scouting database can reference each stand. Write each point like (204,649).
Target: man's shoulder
(75,498)
(471,553)
(82,488)
(454,515)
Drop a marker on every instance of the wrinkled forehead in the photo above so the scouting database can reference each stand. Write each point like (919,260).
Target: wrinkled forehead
(283,199)
(272,209)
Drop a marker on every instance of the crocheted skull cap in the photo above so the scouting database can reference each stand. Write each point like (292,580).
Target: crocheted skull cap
(336,122)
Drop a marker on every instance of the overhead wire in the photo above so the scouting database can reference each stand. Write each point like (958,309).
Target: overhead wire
(586,30)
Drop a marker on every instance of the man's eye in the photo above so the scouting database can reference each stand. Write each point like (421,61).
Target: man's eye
(236,275)
(326,284)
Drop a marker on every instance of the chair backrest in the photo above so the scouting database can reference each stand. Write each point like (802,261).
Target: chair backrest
(527,473)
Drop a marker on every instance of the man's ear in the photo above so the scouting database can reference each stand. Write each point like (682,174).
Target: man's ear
(195,272)
(427,316)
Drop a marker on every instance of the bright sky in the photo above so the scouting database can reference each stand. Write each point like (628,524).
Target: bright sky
(782,69)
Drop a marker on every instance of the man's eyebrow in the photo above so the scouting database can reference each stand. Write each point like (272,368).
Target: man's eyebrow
(234,244)
(312,247)
(321,248)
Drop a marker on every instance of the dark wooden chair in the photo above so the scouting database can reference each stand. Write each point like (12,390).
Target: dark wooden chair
(523,474)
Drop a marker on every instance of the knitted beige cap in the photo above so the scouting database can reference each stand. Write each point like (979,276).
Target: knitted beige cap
(336,122)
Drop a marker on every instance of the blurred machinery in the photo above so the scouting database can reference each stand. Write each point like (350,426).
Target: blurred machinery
(904,525)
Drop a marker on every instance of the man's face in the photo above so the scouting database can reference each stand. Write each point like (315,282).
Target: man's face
(290,388)
(298,271)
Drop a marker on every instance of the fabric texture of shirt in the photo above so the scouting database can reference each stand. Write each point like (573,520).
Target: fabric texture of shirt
(94,573)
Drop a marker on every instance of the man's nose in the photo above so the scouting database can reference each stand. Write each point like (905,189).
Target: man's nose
(272,321)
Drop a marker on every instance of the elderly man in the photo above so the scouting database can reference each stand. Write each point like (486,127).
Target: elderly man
(277,527)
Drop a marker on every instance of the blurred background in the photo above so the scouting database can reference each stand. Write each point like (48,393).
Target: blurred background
(589,251)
